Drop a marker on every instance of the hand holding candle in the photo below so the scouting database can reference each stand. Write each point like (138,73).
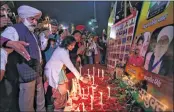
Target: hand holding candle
(98,72)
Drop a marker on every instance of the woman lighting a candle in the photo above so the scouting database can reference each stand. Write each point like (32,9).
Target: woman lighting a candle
(55,74)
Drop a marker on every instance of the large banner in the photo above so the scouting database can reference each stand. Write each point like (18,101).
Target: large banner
(119,46)
(151,57)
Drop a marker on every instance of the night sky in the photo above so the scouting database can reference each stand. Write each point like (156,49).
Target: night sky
(76,12)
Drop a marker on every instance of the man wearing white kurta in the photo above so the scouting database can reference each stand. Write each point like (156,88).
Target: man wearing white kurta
(30,80)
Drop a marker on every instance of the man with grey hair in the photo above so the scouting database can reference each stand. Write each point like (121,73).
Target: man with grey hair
(28,73)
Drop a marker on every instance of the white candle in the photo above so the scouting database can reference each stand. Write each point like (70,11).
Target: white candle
(98,72)
(102,73)
(88,71)
(101,97)
(93,80)
(50,27)
(88,90)
(109,92)
(5,13)
(83,106)
(83,92)
(92,100)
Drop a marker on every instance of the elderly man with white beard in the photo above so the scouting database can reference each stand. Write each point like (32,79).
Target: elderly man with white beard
(18,69)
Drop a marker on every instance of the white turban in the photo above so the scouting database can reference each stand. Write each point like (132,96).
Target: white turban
(25,11)
(168,31)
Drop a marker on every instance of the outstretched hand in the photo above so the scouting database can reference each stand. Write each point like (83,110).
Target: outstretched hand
(19,46)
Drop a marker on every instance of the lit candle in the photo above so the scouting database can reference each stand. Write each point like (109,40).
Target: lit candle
(88,71)
(101,97)
(83,106)
(98,72)
(102,73)
(5,13)
(92,100)
(83,92)
(93,80)
(109,92)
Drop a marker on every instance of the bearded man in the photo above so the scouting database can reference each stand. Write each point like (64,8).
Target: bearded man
(18,69)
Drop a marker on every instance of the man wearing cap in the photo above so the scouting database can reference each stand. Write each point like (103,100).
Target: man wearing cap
(18,68)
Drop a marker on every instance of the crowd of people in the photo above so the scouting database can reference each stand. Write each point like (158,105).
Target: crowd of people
(33,57)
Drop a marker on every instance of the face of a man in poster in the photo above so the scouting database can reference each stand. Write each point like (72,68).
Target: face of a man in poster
(162,46)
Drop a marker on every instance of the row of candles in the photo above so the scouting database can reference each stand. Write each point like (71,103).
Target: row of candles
(93,87)
(91,97)
(93,80)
